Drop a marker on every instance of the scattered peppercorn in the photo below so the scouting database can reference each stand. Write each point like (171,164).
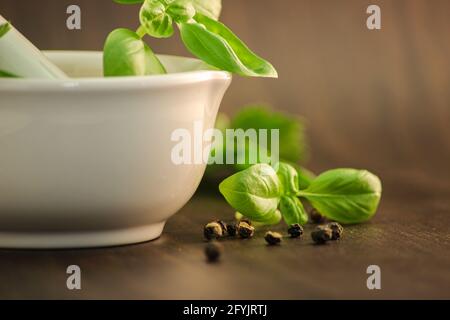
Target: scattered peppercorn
(245,230)
(273,238)
(295,230)
(213,251)
(337,230)
(223,225)
(316,217)
(321,234)
(248,221)
(231,229)
(213,230)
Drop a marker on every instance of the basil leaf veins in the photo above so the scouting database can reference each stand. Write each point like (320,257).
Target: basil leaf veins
(214,43)
(254,192)
(345,195)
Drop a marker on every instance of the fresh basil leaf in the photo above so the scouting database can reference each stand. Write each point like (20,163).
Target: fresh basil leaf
(125,54)
(181,10)
(345,195)
(214,43)
(209,8)
(155,20)
(223,122)
(254,192)
(245,151)
(293,211)
(129,1)
(305,176)
(5,74)
(4,28)
(292,139)
(273,219)
(288,177)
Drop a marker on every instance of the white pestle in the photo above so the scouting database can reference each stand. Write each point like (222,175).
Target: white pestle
(19,57)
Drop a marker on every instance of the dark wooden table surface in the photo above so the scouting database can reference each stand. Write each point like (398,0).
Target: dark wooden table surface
(409,239)
(372,99)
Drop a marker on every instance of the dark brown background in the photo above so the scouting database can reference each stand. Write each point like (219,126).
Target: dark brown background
(372,99)
(383,95)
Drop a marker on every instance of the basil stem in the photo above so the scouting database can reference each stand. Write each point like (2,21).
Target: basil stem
(343,195)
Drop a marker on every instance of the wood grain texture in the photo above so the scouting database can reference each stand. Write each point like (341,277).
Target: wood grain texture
(408,239)
(372,99)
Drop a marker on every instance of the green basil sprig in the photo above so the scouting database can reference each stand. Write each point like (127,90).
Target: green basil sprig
(181,10)
(125,54)
(155,21)
(292,147)
(218,46)
(305,176)
(5,74)
(288,177)
(254,192)
(293,211)
(204,36)
(4,28)
(210,8)
(344,195)
(157,17)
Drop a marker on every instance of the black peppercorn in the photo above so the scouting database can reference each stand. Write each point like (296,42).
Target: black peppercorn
(316,217)
(223,225)
(273,238)
(231,229)
(321,234)
(212,230)
(245,230)
(295,230)
(247,221)
(337,230)
(213,251)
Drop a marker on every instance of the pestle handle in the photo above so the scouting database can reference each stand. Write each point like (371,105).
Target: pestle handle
(20,58)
